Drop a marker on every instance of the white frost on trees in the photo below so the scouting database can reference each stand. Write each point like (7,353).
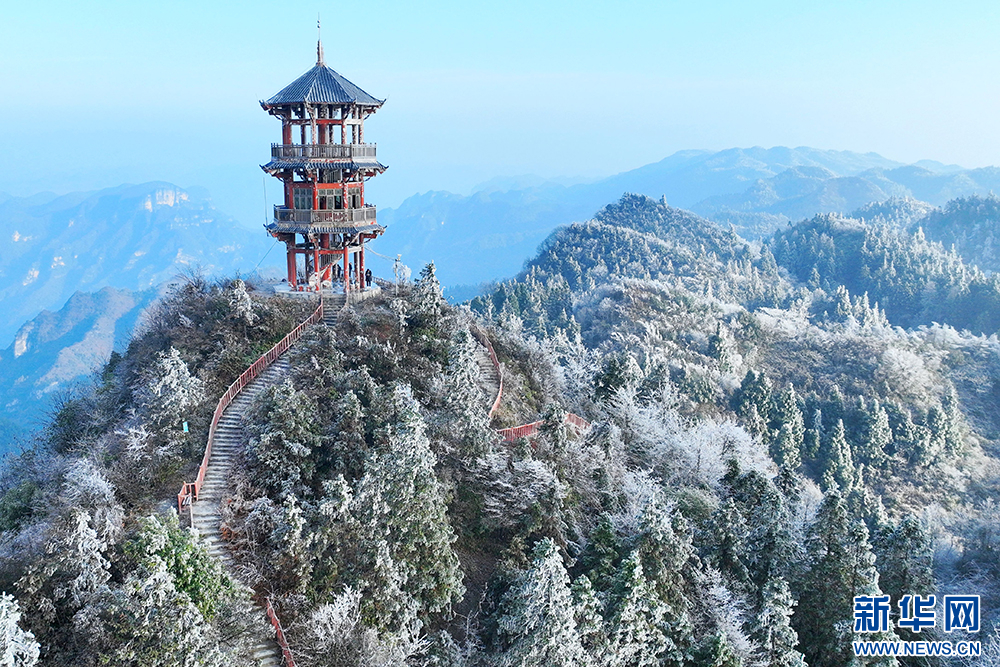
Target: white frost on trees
(240,303)
(334,635)
(18,647)
(170,391)
(428,300)
(87,488)
(537,626)
(400,518)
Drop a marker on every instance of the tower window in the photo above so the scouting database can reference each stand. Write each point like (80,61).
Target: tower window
(302,198)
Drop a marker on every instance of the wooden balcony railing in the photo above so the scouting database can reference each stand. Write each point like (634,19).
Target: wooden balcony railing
(321,151)
(365,214)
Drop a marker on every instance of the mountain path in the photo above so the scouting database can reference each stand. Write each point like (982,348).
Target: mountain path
(206,513)
(489,377)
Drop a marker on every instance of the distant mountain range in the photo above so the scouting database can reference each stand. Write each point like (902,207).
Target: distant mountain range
(488,234)
(131,237)
(55,349)
(76,271)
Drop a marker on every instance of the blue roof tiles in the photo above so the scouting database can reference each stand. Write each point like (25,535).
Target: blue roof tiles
(322,85)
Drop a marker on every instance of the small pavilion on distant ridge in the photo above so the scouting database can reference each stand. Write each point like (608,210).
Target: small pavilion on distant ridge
(323,162)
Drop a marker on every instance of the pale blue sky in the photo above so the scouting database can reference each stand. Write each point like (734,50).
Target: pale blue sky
(100,93)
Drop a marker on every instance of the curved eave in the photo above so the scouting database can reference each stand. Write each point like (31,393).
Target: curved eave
(323,228)
(284,106)
(312,165)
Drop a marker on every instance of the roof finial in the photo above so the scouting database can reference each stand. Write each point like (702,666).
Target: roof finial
(319,43)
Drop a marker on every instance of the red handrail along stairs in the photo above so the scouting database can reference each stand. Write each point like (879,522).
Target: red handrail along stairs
(190,490)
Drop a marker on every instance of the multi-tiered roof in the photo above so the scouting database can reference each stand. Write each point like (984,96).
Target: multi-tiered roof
(323,168)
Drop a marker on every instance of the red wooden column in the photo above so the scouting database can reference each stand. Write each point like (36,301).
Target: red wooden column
(290,248)
(347,275)
(361,266)
(319,286)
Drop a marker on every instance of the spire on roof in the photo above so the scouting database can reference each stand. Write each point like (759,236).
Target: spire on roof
(319,43)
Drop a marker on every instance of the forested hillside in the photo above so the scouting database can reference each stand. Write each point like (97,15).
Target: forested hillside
(766,442)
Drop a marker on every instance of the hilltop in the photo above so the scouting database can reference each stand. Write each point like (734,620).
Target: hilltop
(476,238)
(757,437)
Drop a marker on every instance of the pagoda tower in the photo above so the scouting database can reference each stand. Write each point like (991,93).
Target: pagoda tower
(323,162)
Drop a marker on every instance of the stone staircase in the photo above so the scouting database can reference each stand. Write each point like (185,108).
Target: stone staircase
(206,513)
(489,378)
(332,305)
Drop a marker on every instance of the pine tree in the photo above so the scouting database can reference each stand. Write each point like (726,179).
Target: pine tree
(786,448)
(876,437)
(589,613)
(664,546)
(838,462)
(401,522)
(240,304)
(841,566)
(789,424)
(348,449)
(716,651)
(428,299)
(728,533)
(283,434)
(813,436)
(772,628)
(537,625)
(636,628)
(754,402)
(905,558)
(147,622)
(466,401)
(170,391)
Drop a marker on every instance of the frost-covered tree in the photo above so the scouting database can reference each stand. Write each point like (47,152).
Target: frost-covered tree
(813,436)
(428,299)
(754,402)
(407,565)
(163,611)
(18,647)
(86,487)
(728,534)
(876,436)
(789,425)
(537,624)
(347,450)
(841,566)
(334,635)
(74,570)
(283,434)
(240,304)
(147,622)
(838,462)
(170,391)
(589,612)
(636,628)
(467,403)
(772,627)
(905,559)
(666,552)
